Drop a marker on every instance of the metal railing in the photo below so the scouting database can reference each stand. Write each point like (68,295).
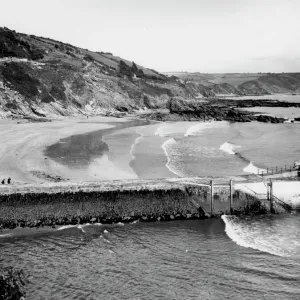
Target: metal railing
(278,170)
(275,199)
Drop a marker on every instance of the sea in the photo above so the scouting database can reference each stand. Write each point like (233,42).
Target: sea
(229,258)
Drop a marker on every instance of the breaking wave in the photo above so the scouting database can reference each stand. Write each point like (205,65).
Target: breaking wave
(251,168)
(167,147)
(136,142)
(198,129)
(229,148)
(261,236)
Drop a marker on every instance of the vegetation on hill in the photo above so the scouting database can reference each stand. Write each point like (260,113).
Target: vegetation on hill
(41,77)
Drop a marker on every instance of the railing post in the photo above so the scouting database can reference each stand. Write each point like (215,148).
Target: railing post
(271,197)
(231,196)
(211,198)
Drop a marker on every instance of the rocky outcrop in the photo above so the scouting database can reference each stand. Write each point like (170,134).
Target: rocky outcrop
(214,110)
(254,103)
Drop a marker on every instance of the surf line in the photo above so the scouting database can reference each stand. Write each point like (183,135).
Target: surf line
(166,148)
(136,142)
(250,168)
(242,236)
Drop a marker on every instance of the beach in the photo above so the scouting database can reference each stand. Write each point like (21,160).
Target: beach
(23,143)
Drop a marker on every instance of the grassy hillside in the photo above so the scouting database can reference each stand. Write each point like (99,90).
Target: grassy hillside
(42,77)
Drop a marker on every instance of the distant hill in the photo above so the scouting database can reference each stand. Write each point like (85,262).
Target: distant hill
(244,83)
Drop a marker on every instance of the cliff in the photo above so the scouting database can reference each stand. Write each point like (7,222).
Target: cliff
(41,77)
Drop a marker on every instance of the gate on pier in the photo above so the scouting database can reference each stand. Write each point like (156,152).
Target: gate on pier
(268,198)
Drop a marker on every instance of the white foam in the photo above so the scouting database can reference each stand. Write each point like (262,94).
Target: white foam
(5,235)
(67,227)
(251,168)
(120,224)
(81,228)
(171,129)
(105,231)
(198,129)
(136,142)
(229,148)
(166,147)
(244,237)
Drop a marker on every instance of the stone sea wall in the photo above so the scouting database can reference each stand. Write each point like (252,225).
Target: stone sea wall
(57,208)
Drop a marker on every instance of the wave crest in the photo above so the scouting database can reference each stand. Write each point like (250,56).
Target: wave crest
(248,237)
(229,148)
(198,129)
(251,168)
(167,146)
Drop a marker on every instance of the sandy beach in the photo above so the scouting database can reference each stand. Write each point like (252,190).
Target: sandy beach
(23,143)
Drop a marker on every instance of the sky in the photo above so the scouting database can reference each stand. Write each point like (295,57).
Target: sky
(207,36)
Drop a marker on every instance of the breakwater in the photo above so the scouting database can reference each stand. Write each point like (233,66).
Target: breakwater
(119,201)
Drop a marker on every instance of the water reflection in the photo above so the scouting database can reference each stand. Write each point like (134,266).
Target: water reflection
(78,151)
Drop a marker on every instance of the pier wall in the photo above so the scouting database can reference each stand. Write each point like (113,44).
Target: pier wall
(165,201)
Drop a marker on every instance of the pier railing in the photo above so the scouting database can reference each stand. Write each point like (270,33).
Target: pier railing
(278,170)
(269,196)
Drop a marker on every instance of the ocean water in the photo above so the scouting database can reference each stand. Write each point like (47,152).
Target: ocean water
(282,112)
(280,97)
(220,148)
(182,149)
(233,258)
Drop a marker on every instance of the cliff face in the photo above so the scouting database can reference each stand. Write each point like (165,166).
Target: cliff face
(43,78)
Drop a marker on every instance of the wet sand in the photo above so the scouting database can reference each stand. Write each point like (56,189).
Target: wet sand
(22,148)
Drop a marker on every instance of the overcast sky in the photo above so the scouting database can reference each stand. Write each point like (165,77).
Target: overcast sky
(171,35)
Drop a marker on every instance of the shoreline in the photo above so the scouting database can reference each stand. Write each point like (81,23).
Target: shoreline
(23,157)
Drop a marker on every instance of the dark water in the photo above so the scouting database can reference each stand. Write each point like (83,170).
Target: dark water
(175,260)
(78,151)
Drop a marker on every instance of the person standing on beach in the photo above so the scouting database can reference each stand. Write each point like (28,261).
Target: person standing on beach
(8,180)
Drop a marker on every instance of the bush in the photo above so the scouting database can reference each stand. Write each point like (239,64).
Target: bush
(12,285)
(88,58)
